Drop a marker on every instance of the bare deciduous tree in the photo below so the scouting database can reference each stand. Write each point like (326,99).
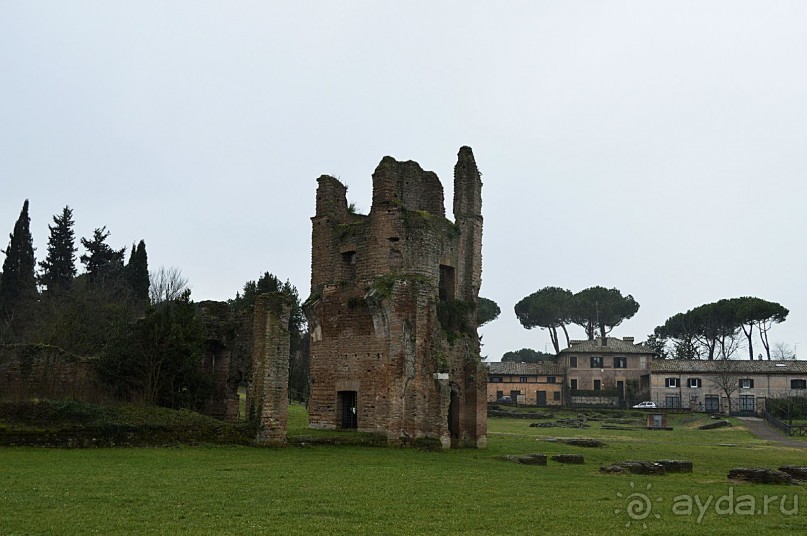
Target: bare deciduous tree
(166,284)
(726,377)
(782,350)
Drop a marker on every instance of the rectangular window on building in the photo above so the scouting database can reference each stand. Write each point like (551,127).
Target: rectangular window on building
(620,362)
(522,379)
(550,379)
(798,384)
(694,383)
(573,361)
(671,382)
(596,362)
(495,379)
(672,402)
(746,383)
(556,395)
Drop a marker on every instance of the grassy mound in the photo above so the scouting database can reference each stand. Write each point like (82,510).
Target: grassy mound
(64,423)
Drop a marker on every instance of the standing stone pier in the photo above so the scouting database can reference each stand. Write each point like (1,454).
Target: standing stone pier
(268,398)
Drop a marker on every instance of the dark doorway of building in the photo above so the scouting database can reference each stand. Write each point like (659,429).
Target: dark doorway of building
(346,409)
(620,387)
(541,398)
(454,417)
(746,405)
(515,396)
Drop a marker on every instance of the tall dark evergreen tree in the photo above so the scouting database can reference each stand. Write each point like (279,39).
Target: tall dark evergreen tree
(59,266)
(137,272)
(103,264)
(18,283)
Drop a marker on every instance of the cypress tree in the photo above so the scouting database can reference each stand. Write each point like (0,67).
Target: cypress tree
(59,267)
(137,271)
(18,283)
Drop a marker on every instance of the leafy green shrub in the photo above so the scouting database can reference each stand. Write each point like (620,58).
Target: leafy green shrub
(789,407)
(454,317)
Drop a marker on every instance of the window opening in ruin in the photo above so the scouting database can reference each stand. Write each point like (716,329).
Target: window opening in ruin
(349,264)
(346,408)
(447,283)
(454,416)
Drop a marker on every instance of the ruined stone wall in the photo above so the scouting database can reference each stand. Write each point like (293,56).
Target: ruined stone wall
(269,386)
(42,371)
(378,283)
(218,361)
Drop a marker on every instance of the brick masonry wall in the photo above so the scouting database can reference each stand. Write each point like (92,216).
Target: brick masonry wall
(373,309)
(218,361)
(269,387)
(41,371)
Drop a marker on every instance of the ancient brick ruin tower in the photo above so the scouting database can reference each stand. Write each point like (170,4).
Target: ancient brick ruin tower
(394,344)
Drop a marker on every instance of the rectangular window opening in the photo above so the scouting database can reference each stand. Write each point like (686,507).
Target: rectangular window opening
(447,288)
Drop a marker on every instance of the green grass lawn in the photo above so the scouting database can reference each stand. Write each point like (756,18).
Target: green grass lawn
(370,490)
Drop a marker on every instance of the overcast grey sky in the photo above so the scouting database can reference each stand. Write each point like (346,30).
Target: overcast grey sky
(657,147)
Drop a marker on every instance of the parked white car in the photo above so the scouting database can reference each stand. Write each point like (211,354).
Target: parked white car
(645,405)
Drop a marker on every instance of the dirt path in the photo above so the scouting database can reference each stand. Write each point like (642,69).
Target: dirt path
(765,431)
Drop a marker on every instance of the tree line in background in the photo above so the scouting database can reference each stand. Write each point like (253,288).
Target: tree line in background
(710,331)
(55,304)
(718,330)
(142,326)
(597,310)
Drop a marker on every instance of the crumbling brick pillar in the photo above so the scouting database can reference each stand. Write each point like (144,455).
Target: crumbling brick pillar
(269,388)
